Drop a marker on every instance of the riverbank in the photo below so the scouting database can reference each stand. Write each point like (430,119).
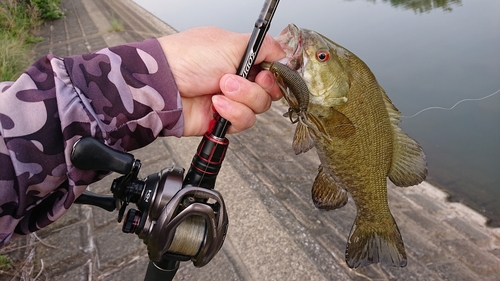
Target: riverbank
(275,232)
(19,21)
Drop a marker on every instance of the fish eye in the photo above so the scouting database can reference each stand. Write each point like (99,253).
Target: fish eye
(322,55)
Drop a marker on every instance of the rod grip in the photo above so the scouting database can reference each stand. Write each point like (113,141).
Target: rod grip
(207,161)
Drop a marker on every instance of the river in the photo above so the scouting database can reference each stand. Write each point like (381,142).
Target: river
(424,53)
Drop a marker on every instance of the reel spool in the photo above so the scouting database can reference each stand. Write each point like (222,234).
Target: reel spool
(189,237)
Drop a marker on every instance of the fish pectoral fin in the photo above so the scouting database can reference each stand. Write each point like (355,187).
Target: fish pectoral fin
(374,242)
(340,126)
(326,194)
(409,165)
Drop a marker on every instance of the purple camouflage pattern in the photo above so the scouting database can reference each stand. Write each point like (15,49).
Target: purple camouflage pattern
(125,96)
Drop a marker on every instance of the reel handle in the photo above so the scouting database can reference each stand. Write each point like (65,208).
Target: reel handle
(90,154)
(107,203)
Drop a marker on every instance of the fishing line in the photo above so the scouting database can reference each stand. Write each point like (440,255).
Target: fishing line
(445,108)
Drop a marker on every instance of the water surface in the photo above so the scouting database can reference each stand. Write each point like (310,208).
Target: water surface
(424,53)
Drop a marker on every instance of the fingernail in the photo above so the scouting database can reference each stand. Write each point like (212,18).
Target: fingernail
(219,102)
(232,85)
(267,82)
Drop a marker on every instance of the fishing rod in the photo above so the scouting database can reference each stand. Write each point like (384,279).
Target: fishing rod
(205,167)
(211,151)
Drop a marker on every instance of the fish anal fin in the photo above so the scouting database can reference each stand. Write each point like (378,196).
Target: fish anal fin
(409,164)
(369,244)
(326,194)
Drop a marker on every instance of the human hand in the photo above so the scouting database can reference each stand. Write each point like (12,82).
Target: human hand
(203,62)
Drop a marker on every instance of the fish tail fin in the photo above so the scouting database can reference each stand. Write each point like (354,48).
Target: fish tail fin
(369,243)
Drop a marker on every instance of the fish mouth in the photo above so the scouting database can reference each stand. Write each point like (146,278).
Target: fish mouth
(292,42)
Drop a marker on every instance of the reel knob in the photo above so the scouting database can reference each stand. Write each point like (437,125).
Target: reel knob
(90,154)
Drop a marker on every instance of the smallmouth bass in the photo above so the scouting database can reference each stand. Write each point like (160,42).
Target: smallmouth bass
(353,125)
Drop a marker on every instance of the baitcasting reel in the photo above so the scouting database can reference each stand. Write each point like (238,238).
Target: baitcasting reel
(176,222)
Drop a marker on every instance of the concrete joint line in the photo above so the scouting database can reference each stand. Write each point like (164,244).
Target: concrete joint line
(163,27)
(103,24)
(91,248)
(238,263)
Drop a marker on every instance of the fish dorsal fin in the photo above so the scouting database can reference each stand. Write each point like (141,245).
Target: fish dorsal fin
(326,194)
(409,166)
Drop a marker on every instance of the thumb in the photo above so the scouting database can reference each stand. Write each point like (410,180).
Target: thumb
(270,50)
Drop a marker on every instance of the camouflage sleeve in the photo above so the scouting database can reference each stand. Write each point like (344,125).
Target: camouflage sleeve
(124,96)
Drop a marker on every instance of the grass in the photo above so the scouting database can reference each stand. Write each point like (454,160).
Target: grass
(15,57)
(19,21)
(49,9)
(116,24)
(5,262)
(21,267)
